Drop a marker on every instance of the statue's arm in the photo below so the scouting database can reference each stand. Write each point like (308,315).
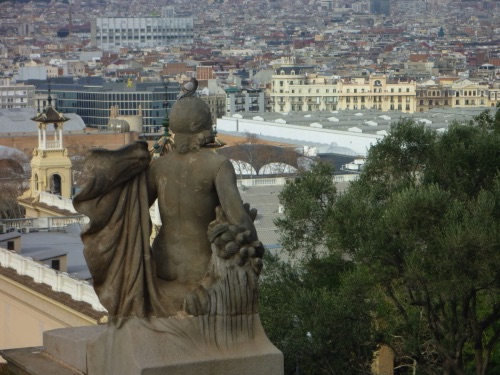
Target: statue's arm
(229,197)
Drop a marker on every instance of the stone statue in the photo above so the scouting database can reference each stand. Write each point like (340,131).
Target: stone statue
(194,293)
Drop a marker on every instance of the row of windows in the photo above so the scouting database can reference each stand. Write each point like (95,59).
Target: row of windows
(391,108)
(445,102)
(362,90)
(111,38)
(447,93)
(127,96)
(11,100)
(13,93)
(142,30)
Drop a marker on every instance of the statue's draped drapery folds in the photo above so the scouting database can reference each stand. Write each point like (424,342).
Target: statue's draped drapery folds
(117,247)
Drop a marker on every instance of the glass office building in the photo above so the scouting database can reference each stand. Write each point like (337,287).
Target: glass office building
(92,100)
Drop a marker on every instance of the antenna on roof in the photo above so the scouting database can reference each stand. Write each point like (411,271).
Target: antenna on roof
(49,99)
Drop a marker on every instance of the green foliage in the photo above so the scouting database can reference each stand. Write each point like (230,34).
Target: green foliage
(496,121)
(316,308)
(308,204)
(416,239)
(319,315)
(425,220)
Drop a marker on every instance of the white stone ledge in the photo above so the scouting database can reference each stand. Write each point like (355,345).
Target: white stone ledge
(79,290)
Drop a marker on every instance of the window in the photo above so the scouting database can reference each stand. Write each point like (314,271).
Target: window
(10,245)
(55,264)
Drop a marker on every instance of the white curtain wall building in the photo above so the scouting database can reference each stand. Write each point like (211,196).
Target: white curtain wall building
(113,33)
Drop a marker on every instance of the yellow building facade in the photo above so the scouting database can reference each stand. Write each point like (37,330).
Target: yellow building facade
(293,90)
(456,93)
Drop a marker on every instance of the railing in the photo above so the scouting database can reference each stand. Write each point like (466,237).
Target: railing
(57,201)
(345,177)
(247,182)
(280,181)
(54,223)
(50,145)
(79,290)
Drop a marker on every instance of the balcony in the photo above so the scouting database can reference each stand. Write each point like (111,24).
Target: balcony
(51,145)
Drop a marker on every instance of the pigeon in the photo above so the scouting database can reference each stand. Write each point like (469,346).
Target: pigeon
(189,89)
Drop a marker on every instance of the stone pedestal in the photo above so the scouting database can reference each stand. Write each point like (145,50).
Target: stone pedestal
(138,347)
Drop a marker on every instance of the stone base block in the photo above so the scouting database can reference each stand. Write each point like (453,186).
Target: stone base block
(159,347)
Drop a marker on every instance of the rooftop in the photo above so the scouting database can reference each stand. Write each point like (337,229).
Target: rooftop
(367,121)
(19,120)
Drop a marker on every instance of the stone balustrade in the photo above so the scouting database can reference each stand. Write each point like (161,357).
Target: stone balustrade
(79,290)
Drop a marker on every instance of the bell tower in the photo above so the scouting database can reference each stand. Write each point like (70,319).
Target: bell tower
(51,170)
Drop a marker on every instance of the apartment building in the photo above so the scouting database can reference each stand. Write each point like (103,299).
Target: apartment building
(295,90)
(16,95)
(245,100)
(217,105)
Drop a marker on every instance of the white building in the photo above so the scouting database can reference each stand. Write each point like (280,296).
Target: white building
(16,95)
(113,33)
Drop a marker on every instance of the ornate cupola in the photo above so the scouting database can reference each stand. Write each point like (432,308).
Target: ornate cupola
(51,169)
(50,116)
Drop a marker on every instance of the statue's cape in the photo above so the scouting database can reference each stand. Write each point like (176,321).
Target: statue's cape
(117,242)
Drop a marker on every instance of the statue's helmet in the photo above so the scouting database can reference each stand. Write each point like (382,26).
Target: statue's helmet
(190,115)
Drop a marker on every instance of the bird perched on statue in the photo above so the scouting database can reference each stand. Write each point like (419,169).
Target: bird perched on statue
(189,89)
